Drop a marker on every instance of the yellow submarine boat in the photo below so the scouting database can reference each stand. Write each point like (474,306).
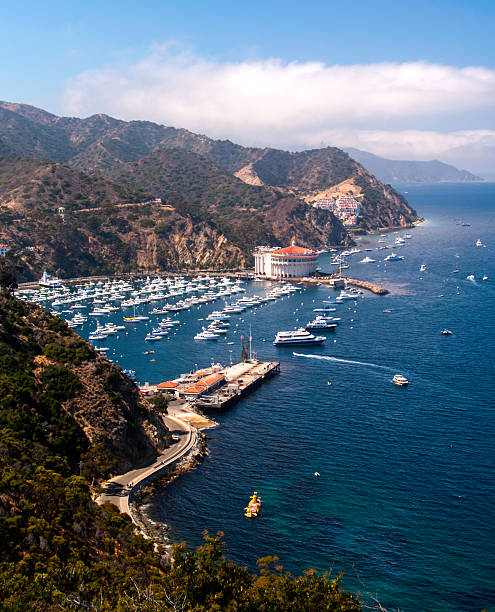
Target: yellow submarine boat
(254,506)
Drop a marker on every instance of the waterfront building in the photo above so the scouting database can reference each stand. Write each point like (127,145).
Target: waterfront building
(4,249)
(193,386)
(289,262)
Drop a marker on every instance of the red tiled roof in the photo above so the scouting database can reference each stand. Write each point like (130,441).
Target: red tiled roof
(210,380)
(168,384)
(294,250)
(194,389)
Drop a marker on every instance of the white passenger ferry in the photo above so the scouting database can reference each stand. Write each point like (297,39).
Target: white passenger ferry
(299,336)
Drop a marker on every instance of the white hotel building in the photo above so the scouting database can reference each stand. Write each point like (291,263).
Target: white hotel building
(289,262)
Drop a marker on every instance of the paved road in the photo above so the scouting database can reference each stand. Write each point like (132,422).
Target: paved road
(118,489)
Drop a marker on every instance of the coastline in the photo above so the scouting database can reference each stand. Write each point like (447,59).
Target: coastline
(124,490)
(158,532)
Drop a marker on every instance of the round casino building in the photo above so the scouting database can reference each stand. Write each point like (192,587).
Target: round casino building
(288,262)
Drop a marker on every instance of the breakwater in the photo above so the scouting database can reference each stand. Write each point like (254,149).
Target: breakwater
(374,288)
(340,281)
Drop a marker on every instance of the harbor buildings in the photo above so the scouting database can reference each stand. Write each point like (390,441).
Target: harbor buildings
(346,208)
(4,249)
(289,262)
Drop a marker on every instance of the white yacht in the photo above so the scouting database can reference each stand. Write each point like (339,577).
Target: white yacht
(206,335)
(393,257)
(367,260)
(325,308)
(321,323)
(422,268)
(151,337)
(346,295)
(217,316)
(299,336)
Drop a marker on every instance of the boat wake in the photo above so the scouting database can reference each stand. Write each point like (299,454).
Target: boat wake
(344,361)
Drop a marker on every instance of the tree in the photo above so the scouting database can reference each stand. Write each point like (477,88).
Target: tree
(9,268)
(160,403)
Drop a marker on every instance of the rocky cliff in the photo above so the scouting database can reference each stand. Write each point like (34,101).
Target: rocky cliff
(49,376)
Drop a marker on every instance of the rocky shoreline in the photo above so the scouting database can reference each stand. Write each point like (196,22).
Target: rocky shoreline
(158,532)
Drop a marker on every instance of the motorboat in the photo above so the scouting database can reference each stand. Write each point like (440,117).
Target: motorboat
(367,260)
(479,243)
(446,332)
(422,267)
(346,295)
(400,380)
(97,337)
(393,257)
(299,336)
(151,337)
(322,324)
(206,335)
(325,308)
(217,316)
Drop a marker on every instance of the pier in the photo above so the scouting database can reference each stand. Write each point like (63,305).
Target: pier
(241,379)
(238,381)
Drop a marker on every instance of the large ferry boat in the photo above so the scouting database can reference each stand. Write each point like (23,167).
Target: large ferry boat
(299,336)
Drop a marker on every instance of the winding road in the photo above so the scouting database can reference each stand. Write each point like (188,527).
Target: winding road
(119,489)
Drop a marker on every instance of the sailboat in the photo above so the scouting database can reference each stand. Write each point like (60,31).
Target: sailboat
(134,318)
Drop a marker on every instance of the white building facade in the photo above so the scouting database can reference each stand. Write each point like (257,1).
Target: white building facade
(289,262)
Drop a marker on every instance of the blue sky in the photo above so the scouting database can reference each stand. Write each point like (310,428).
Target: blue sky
(68,57)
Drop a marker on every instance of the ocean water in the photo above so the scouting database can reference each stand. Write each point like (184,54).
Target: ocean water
(405,501)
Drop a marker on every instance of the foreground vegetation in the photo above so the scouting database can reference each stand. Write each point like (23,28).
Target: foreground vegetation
(58,549)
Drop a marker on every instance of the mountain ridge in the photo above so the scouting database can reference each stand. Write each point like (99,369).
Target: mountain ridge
(219,202)
(395,170)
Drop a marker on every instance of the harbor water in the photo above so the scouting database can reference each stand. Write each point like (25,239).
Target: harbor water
(404,504)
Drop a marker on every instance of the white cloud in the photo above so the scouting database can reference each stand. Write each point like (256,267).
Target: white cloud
(384,107)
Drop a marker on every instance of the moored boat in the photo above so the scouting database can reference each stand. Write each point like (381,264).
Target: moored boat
(299,336)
